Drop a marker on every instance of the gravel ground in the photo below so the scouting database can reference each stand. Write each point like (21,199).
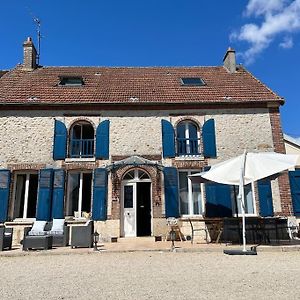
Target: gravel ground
(151,275)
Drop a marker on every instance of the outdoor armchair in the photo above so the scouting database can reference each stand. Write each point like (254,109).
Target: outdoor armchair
(5,238)
(36,237)
(82,235)
(59,232)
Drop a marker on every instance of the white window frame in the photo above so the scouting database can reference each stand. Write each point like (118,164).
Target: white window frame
(187,136)
(190,194)
(254,204)
(80,191)
(26,192)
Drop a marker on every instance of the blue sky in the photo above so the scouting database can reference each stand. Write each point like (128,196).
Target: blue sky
(265,33)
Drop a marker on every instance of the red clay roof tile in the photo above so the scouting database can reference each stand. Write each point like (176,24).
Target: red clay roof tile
(121,84)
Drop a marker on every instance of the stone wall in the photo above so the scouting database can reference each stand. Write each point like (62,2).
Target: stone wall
(26,138)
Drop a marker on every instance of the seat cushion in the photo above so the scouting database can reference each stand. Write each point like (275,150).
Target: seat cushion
(58,225)
(38,228)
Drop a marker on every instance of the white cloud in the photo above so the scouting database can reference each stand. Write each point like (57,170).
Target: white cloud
(278,17)
(287,43)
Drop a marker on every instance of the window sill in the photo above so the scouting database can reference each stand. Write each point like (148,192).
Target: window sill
(192,217)
(189,157)
(71,160)
(20,221)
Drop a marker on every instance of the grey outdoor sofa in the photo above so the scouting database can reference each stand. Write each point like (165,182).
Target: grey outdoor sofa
(48,239)
(5,238)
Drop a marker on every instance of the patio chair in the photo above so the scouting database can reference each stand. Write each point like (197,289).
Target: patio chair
(5,238)
(36,237)
(82,235)
(293,228)
(194,229)
(59,232)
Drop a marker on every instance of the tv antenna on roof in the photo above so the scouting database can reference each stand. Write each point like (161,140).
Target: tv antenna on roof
(37,21)
(39,36)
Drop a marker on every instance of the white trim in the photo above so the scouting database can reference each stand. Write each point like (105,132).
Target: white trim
(26,194)
(190,195)
(80,191)
(134,182)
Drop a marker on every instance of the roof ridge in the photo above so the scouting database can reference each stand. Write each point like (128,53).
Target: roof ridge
(263,84)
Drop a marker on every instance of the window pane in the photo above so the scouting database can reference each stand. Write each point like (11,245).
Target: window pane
(76,132)
(192,131)
(128,196)
(249,200)
(73,193)
(197,203)
(86,192)
(20,196)
(249,207)
(183,193)
(87,131)
(181,130)
(32,195)
(129,175)
(142,175)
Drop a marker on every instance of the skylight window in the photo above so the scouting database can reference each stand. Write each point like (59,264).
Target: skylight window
(71,81)
(192,81)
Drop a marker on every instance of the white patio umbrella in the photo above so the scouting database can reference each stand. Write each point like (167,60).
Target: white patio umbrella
(244,169)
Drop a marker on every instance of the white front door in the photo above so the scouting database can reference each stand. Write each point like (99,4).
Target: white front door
(129,211)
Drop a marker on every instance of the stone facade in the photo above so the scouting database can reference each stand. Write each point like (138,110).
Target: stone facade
(27,140)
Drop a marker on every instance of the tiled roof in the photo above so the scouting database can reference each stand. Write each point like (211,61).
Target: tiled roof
(133,84)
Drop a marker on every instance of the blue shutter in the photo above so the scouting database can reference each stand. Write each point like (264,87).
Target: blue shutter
(4,194)
(102,140)
(58,194)
(44,195)
(171,192)
(265,198)
(60,140)
(168,139)
(295,191)
(218,200)
(99,211)
(209,139)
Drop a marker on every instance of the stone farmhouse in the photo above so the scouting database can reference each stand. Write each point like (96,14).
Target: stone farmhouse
(116,144)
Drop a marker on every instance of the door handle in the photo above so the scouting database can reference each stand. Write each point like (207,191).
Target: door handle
(128,214)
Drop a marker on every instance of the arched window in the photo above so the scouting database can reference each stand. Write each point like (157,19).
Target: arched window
(81,140)
(188,138)
(136,174)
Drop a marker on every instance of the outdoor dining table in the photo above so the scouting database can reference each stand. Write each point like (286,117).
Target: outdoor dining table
(214,227)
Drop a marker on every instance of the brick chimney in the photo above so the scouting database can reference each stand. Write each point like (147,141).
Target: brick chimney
(29,59)
(229,60)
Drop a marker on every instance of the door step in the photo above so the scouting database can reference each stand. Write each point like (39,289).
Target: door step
(137,239)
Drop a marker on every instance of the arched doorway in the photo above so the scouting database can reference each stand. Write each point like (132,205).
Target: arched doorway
(136,204)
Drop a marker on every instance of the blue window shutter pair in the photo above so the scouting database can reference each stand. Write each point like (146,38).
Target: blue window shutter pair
(218,200)
(102,140)
(4,194)
(265,198)
(99,210)
(295,190)
(171,192)
(209,139)
(60,140)
(44,195)
(58,194)
(168,139)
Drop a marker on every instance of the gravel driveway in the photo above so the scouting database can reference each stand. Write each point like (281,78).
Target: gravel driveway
(151,275)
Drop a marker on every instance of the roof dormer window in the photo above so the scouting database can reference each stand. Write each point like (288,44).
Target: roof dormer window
(71,81)
(192,81)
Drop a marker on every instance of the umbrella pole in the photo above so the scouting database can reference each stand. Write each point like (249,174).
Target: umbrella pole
(242,197)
